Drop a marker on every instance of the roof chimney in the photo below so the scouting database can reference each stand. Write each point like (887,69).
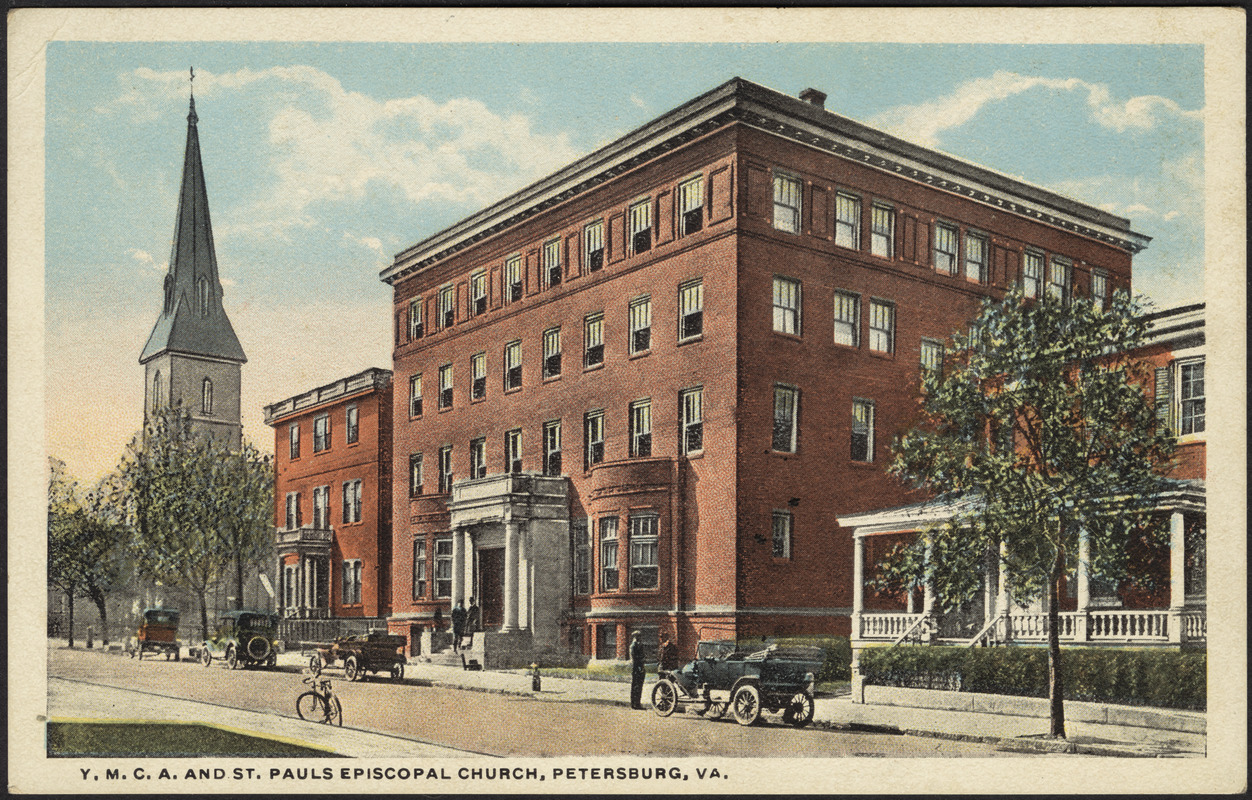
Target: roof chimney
(814,96)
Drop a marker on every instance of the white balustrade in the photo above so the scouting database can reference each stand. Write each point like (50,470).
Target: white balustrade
(1129,625)
(887,626)
(1194,626)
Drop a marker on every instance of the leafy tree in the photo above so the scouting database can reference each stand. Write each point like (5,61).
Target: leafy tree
(1038,416)
(245,501)
(65,517)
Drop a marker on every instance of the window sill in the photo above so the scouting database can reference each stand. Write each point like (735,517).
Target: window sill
(594,367)
(691,340)
(640,354)
(552,378)
(795,337)
(774,452)
(513,390)
(882,355)
(445,409)
(846,346)
(474,400)
(414,416)
(694,455)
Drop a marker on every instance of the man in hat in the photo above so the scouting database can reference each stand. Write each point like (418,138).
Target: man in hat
(636,671)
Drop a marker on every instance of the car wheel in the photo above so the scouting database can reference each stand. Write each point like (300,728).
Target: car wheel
(397,671)
(746,704)
(206,655)
(715,711)
(232,658)
(352,669)
(664,698)
(799,710)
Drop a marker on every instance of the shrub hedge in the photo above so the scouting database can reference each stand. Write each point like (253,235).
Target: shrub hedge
(838,666)
(1161,678)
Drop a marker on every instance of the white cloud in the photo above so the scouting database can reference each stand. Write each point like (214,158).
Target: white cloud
(638,101)
(145,258)
(925,122)
(1176,190)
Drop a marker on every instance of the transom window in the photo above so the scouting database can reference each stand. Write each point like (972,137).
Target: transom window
(582,556)
(640,325)
(478,293)
(691,206)
(786,203)
(351,501)
(478,371)
(552,262)
(848,319)
(419,568)
(293,440)
(862,430)
(608,554)
(593,435)
(945,249)
(593,244)
(882,325)
(512,366)
(1032,273)
(786,306)
(445,469)
(690,310)
(415,318)
(1060,275)
(443,566)
(1099,288)
(1191,394)
(593,340)
(644,566)
(447,307)
(321,433)
(552,448)
(415,395)
(513,450)
(882,239)
(415,474)
(847,221)
(352,424)
(786,412)
(691,402)
(780,542)
(975,258)
(641,226)
(513,279)
(478,458)
(641,428)
(552,353)
(445,386)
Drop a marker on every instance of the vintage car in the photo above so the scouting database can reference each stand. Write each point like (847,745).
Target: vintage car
(243,639)
(747,682)
(158,633)
(374,652)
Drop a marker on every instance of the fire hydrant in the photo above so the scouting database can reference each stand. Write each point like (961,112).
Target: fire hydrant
(90,638)
(535,679)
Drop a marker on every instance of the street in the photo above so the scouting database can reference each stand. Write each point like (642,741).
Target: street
(482,723)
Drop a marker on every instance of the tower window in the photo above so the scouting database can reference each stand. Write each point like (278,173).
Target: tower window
(202,292)
(206,397)
(157,399)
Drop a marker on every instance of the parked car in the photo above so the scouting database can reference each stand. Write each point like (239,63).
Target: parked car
(243,639)
(376,651)
(723,676)
(158,633)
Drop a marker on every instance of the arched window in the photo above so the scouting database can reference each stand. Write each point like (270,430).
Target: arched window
(169,293)
(157,400)
(202,289)
(206,397)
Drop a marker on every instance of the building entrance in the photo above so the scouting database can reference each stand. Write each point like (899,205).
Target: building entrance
(491,587)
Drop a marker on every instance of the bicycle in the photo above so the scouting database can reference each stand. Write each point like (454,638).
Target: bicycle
(319,704)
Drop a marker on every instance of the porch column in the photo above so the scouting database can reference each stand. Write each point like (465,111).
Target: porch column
(1177,575)
(304,574)
(858,583)
(523,579)
(512,532)
(1082,577)
(458,567)
(988,590)
(280,602)
(1003,603)
(470,589)
(928,599)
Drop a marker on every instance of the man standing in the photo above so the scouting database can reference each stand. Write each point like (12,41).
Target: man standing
(636,671)
(458,625)
(472,620)
(667,659)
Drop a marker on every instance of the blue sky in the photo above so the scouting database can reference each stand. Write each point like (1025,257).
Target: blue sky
(323,160)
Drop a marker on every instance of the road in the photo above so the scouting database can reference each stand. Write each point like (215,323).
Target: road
(480,723)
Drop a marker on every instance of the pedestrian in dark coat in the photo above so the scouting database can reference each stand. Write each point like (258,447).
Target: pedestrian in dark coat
(668,658)
(636,671)
(473,620)
(458,625)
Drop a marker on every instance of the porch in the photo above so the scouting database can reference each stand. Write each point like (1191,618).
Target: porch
(303,571)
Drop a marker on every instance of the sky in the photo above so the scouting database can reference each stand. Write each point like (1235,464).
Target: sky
(324,160)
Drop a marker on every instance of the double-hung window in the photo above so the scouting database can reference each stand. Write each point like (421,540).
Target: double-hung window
(552,353)
(445,386)
(478,371)
(478,293)
(293,511)
(593,245)
(513,451)
(882,326)
(352,424)
(321,508)
(513,279)
(882,238)
(862,430)
(641,428)
(419,568)
(552,448)
(644,564)
(478,458)
(975,258)
(786,203)
(416,329)
(351,501)
(352,581)
(512,366)
(447,307)
(640,325)
(321,433)
(786,306)
(932,355)
(608,554)
(945,249)
(593,340)
(780,542)
(691,206)
(1032,273)
(786,415)
(1099,288)
(552,262)
(206,397)
(1191,397)
(443,567)
(415,395)
(415,474)
(847,319)
(1060,279)
(593,436)
(848,221)
(691,405)
(582,556)
(445,469)
(293,440)
(640,220)
(690,310)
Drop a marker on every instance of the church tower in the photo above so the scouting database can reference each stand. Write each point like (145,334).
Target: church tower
(193,357)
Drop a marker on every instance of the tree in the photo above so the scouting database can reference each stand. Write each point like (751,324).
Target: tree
(64,526)
(1039,414)
(245,499)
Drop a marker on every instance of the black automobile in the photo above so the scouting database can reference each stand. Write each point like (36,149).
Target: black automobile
(243,639)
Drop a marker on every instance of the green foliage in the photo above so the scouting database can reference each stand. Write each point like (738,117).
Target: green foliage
(1159,678)
(838,665)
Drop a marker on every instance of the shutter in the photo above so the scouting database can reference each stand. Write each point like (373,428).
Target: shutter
(721,189)
(820,210)
(1165,396)
(664,216)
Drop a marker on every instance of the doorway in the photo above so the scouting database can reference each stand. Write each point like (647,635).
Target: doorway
(491,587)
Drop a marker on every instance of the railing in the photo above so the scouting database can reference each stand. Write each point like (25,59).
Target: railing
(887,626)
(304,536)
(294,632)
(1128,625)
(991,634)
(1195,626)
(1125,626)
(1034,627)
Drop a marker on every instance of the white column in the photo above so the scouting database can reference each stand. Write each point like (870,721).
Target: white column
(280,583)
(458,566)
(1177,574)
(304,581)
(471,589)
(523,579)
(858,583)
(928,591)
(1082,577)
(988,593)
(511,536)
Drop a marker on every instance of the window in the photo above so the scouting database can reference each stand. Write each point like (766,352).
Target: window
(512,366)
(321,433)
(975,258)
(780,543)
(293,439)
(443,567)
(419,569)
(513,450)
(847,221)
(513,278)
(848,319)
(415,395)
(478,371)
(786,306)
(932,354)
(202,290)
(945,249)
(415,474)
(158,398)
(552,262)
(351,501)
(1191,394)
(786,203)
(882,240)
(1099,288)
(606,640)
(352,582)
(445,469)
(608,554)
(1060,273)
(640,325)
(690,310)
(478,458)
(478,293)
(641,226)
(447,307)
(593,244)
(690,206)
(1032,273)
(862,430)
(593,341)
(593,436)
(552,448)
(786,408)
(206,397)
(641,428)
(293,510)
(552,353)
(882,326)
(415,318)
(321,507)
(644,567)
(445,386)
(352,424)
(582,556)
(691,404)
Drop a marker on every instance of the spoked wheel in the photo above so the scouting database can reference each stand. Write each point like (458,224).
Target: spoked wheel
(746,704)
(352,669)
(310,707)
(664,698)
(315,664)
(334,712)
(397,671)
(799,710)
(206,657)
(232,658)
(715,711)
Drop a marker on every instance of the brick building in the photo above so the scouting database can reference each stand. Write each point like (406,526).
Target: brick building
(332,492)
(638,393)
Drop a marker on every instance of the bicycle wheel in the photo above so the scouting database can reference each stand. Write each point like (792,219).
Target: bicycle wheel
(334,713)
(311,707)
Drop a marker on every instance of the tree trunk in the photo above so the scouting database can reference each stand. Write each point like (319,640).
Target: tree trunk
(238,581)
(204,615)
(98,597)
(1056,684)
(69,619)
